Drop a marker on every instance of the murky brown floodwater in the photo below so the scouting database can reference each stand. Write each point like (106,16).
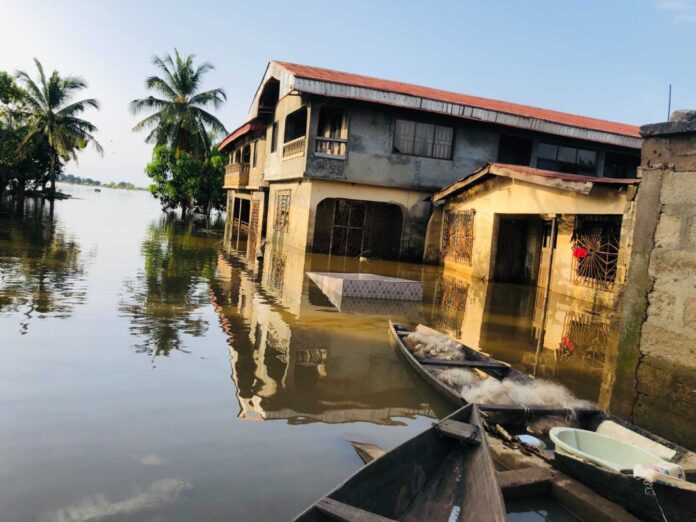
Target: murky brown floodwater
(148,375)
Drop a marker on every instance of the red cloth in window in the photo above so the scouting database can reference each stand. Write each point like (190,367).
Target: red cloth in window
(580,252)
(568,344)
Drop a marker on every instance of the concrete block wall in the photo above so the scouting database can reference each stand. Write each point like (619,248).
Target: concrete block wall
(656,376)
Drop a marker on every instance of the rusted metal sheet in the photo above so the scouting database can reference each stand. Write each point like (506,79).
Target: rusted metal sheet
(547,178)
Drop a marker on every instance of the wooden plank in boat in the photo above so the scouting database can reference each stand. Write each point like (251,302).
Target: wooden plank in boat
(347,513)
(430,361)
(525,482)
(461,431)
(536,410)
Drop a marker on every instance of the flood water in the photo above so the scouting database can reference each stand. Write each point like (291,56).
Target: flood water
(147,374)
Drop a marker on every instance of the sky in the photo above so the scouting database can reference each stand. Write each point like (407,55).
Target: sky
(611,59)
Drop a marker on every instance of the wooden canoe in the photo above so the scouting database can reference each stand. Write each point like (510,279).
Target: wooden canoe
(474,359)
(673,501)
(444,474)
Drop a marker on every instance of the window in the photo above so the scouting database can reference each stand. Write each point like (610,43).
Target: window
(295,125)
(332,123)
(246,154)
(423,139)
(458,238)
(256,153)
(617,165)
(274,137)
(566,159)
(515,150)
(332,132)
(282,211)
(595,251)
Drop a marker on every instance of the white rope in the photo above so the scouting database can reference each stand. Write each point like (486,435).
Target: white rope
(650,491)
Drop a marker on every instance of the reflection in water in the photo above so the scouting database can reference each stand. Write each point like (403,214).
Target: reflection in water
(99,507)
(298,355)
(41,267)
(164,301)
(293,357)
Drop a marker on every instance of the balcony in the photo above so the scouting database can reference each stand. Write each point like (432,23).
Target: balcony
(295,147)
(236,175)
(331,147)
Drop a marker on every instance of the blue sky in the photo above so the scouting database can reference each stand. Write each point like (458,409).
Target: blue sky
(611,59)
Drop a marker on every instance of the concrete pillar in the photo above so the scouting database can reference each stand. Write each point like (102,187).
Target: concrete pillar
(656,368)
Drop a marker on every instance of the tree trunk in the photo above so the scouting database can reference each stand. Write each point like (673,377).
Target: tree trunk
(52,193)
(19,196)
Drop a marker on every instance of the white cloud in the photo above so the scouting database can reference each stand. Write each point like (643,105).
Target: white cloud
(152,460)
(96,507)
(681,11)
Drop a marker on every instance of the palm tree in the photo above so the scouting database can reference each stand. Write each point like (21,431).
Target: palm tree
(51,113)
(180,118)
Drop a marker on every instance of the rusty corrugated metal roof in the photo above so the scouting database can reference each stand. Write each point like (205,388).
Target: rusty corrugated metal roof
(529,174)
(239,132)
(563,118)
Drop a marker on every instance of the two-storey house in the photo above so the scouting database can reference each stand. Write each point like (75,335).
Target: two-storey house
(339,163)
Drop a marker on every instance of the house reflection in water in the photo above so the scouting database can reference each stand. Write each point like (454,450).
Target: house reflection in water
(574,344)
(294,356)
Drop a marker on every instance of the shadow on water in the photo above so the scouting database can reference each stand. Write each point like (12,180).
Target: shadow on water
(42,267)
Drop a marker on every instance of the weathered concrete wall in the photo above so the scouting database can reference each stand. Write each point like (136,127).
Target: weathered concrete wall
(656,374)
(276,166)
(370,158)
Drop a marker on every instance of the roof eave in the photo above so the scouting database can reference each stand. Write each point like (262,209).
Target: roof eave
(340,90)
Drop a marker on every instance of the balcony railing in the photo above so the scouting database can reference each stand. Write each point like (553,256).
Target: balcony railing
(236,175)
(294,147)
(333,147)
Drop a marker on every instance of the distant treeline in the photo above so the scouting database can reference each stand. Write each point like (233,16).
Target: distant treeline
(77,180)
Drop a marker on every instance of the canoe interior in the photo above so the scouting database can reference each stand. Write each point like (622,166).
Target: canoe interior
(450,394)
(678,504)
(429,477)
(488,365)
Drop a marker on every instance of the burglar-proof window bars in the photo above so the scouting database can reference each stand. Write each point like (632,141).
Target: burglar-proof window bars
(451,294)
(596,251)
(585,335)
(458,240)
(282,211)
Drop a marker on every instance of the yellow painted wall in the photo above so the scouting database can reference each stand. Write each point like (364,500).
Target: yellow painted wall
(277,167)
(506,196)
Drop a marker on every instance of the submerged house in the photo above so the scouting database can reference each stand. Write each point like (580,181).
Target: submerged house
(526,225)
(339,163)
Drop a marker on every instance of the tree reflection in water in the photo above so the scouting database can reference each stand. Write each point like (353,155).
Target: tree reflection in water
(41,268)
(165,299)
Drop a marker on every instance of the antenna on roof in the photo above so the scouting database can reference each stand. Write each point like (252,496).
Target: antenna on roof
(669,102)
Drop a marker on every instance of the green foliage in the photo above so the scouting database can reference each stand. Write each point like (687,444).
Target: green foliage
(77,180)
(24,159)
(180,179)
(178,116)
(41,128)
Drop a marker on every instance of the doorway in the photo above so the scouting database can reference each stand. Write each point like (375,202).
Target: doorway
(518,249)
(352,228)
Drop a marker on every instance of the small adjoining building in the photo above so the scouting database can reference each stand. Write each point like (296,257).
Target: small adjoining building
(516,224)
(344,164)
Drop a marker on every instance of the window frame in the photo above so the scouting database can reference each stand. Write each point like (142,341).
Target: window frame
(560,163)
(274,137)
(432,142)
